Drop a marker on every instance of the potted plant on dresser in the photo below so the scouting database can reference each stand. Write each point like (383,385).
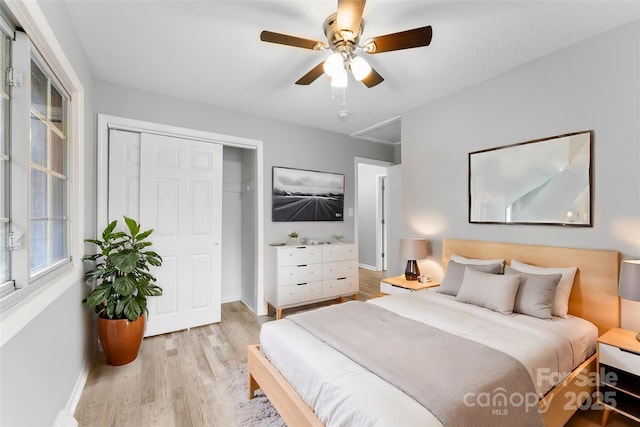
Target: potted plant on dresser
(124,282)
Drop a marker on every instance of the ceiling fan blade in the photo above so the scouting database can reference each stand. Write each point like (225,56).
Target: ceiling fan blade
(278,38)
(312,75)
(349,18)
(402,40)
(373,79)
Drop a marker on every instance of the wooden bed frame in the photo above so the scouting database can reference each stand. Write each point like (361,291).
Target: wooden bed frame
(593,297)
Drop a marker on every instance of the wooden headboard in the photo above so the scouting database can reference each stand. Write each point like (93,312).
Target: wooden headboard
(594,295)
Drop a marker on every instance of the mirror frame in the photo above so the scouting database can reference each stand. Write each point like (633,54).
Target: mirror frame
(513,149)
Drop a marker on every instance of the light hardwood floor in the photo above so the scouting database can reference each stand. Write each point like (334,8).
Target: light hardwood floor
(178,378)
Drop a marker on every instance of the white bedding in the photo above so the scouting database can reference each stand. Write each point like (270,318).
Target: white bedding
(344,394)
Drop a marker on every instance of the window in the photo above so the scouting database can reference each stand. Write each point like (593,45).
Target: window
(48,187)
(34,162)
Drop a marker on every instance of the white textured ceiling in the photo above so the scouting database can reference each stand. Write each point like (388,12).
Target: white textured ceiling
(210,52)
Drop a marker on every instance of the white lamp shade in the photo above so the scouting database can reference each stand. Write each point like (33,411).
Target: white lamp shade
(629,285)
(413,249)
(340,79)
(334,65)
(359,67)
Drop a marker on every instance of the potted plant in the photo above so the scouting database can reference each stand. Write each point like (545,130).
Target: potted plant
(124,283)
(294,238)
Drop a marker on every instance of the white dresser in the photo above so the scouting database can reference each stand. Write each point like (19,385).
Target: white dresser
(299,275)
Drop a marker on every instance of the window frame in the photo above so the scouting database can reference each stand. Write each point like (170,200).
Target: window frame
(6,31)
(22,306)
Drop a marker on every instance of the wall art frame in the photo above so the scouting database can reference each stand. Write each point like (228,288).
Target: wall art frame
(306,195)
(544,181)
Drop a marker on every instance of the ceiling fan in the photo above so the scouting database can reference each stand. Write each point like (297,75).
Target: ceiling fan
(343,30)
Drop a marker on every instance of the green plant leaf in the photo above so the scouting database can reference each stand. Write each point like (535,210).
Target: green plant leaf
(132,310)
(120,307)
(98,296)
(144,235)
(133,226)
(111,308)
(125,261)
(91,257)
(107,231)
(125,285)
(117,235)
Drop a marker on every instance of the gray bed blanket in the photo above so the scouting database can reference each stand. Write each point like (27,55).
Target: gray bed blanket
(462,382)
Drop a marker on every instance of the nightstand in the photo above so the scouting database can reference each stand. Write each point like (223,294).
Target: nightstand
(619,373)
(400,285)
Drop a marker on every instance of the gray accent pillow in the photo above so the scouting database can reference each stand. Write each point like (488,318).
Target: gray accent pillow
(496,292)
(563,291)
(535,294)
(455,271)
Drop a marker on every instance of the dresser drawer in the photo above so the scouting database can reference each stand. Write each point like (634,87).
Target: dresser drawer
(299,255)
(294,274)
(335,287)
(332,253)
(624,360)
(294,294)
(335,270)
(388,288)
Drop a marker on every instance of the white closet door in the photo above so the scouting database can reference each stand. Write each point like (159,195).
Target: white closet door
(181,199)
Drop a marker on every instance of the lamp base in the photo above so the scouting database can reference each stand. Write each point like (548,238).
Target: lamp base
(412,271)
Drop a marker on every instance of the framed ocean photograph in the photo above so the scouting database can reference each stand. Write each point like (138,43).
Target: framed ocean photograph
(306,195)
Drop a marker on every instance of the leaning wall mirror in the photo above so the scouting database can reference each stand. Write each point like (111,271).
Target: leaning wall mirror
(546,181)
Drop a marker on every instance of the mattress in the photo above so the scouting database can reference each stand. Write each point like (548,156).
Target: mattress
(342,393)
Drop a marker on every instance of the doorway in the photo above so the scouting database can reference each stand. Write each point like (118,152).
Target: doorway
(371,213)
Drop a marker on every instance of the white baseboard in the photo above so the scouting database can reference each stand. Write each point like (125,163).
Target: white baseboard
(229,298)
(65,417)
(368,267)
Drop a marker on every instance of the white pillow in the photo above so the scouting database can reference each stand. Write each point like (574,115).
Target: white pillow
(563,291)
(475,261)
(496,292)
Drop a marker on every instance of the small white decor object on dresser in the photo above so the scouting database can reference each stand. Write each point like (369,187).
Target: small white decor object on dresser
(299,275)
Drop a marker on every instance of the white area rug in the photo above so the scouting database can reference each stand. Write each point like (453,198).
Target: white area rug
(257,412)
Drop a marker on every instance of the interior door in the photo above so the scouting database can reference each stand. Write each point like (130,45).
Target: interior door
(180,197)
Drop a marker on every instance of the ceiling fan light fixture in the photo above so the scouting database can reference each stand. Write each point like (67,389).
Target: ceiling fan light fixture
(334,64)
(347,35)
(359,67)
(340,79)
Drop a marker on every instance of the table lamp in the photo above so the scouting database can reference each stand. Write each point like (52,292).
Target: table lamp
(629,285)
(412,250)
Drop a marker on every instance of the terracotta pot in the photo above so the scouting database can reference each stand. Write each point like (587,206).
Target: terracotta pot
(121,339)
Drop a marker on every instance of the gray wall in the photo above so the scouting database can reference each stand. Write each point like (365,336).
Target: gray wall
(284,145)
(39,366)
(594,84)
